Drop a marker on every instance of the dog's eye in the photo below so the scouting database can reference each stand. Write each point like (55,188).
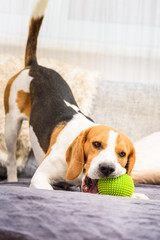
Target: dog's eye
(97,145)
(122,154)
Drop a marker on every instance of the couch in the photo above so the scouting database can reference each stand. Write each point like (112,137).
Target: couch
(67,213)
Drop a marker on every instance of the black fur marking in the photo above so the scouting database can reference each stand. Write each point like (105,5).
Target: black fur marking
(48,92)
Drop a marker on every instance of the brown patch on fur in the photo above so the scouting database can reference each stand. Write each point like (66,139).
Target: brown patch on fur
(54,136)
(24,102)
(75,156)
(31,47)
(7,92)
(81,152)
(124,144)
(131,161)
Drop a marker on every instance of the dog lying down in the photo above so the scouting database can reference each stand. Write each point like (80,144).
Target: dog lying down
(68,145)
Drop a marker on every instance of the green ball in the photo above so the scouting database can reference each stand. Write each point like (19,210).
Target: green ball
(120,186)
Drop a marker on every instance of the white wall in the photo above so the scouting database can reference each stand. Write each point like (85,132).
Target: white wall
(119,38)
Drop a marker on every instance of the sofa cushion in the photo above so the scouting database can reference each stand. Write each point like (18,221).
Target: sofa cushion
(147,166)
(133,108)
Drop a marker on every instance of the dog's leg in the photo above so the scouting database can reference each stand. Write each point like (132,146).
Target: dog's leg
(50,171)
(40,181)
(43,176)
(12,128)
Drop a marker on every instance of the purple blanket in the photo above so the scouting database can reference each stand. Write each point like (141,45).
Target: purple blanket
(39,214)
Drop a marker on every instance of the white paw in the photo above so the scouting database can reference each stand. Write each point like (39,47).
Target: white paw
(40,181)
(140,196)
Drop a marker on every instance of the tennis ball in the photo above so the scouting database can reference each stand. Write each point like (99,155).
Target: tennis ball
(119,186)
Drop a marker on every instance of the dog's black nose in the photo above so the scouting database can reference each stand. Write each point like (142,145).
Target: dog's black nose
(106,169)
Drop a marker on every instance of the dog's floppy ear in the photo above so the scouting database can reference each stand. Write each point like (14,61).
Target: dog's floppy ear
(75,156)
(131,161)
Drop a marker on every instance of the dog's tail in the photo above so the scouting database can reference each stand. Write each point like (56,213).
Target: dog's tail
(35,24)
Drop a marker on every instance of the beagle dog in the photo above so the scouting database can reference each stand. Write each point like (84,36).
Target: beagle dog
(68,145)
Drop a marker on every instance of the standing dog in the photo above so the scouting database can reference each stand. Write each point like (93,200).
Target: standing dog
(67,145)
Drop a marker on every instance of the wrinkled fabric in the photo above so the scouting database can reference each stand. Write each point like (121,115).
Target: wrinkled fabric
(32,214)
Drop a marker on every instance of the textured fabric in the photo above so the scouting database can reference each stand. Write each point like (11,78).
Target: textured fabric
(132,108)
(28,214)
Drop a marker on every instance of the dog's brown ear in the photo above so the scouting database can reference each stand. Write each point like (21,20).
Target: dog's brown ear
(131,161)
(75,156)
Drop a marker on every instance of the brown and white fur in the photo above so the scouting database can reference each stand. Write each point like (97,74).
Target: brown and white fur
(67,145)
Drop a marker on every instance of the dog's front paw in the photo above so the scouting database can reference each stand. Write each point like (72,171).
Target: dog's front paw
(140,196)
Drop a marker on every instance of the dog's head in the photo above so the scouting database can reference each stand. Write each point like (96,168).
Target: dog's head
(99,152)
